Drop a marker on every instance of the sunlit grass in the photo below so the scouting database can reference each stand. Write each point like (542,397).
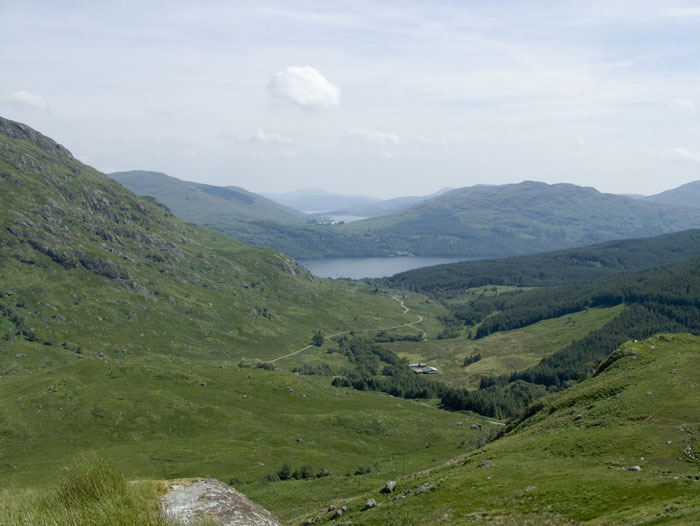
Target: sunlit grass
(90,492)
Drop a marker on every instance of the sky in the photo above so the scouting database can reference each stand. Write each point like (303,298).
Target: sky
(380,98)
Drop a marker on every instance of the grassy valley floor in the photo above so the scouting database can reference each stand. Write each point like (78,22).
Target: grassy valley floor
(158,417)
(503,352)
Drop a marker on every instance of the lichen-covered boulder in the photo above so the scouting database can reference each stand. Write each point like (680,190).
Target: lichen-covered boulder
(192,500)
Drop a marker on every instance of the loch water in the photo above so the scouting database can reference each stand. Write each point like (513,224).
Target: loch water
(374,267)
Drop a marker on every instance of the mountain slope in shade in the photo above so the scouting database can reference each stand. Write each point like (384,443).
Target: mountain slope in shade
(519,219)
(202,203)
(553,268)
(685,195)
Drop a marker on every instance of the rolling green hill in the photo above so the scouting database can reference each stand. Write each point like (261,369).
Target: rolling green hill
(685,195)
(495,221)
(619,448)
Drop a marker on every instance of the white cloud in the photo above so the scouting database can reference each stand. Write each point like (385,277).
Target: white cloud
(580,141)
(387,155)
(682,106)
(305,87)
(264,137)
(25,99)
(682,154)
(373,136)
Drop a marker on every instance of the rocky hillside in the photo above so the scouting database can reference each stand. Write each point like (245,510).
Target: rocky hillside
(87,264)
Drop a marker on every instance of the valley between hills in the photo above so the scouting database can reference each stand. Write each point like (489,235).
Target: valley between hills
(137,348)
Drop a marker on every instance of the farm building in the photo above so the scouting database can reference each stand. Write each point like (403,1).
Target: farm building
(422,368)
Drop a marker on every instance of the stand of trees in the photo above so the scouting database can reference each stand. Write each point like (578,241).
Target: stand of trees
(661,299)
(561,267)
(378,369)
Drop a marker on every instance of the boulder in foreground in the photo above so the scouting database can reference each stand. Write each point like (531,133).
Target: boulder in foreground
(192,500)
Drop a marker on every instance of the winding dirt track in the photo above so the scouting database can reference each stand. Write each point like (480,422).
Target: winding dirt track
(405,311)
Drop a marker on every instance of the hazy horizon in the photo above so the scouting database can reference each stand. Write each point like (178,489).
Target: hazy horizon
(324,191)
(385,99)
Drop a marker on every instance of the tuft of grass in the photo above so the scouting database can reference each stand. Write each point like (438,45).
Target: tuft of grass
(91,492)
(90,479)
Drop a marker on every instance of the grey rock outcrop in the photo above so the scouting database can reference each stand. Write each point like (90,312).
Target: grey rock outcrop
(190,501)
(422,489)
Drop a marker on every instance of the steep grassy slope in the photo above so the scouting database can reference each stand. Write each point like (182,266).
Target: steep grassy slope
(685,195)
(552,268)
(490,221)
(570,462)
(85,263)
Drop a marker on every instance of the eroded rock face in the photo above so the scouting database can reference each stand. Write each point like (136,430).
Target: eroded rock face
(193,500)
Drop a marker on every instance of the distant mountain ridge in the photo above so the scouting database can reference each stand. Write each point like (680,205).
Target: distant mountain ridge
(481,221)
(685,195)
(523,218)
